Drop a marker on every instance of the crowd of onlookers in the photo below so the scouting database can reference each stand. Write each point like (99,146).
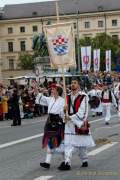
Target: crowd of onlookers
(22,97)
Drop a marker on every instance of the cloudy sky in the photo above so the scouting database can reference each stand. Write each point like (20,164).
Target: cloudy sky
(4,2)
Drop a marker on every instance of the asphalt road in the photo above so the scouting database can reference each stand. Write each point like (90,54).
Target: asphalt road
(21,152)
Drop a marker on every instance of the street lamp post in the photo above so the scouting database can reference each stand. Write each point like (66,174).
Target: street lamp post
(78,48)
(105,24)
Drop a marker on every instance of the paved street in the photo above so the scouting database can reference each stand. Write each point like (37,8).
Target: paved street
(21,152)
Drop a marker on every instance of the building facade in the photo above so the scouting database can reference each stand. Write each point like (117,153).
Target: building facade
(19,23)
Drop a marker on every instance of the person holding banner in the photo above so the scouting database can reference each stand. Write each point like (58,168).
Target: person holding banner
(54,127)
(77,130)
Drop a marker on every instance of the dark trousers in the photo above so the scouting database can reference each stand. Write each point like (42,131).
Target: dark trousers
(16,117)
(37,110)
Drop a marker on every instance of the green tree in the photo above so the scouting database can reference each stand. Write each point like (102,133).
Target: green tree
(26,61)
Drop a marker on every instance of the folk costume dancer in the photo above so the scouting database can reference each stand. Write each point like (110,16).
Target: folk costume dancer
(54,127)
(77,132)
(117,95)
(107,98)
(94,101)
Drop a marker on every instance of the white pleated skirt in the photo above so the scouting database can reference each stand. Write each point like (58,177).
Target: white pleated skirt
(79,140)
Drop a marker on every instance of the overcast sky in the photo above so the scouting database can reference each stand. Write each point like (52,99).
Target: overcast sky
(4,2)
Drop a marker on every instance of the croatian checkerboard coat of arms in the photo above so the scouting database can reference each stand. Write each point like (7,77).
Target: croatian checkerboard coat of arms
(60,45)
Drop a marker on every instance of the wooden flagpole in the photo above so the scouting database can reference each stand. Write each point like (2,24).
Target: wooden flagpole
(62,66)
(57,11)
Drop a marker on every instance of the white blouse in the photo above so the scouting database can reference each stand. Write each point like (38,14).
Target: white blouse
(55,106)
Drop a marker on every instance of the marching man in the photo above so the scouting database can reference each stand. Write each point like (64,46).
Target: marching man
(94,101)
(107,98)
(77,132)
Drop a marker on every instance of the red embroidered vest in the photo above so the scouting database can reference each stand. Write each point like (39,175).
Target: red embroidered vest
(109,100)
(84,130)
(76,104)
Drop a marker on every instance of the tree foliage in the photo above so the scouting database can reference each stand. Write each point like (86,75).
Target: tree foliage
(26,61)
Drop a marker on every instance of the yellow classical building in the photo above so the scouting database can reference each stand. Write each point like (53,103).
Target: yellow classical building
(20,22)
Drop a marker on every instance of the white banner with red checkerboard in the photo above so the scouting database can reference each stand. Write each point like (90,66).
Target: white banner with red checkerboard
(61,44)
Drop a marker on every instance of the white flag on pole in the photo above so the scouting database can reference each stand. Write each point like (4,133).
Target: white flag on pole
(61,44)
(96,59)
(86,58)
(108,60)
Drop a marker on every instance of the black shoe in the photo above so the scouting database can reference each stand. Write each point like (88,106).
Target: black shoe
(85,164)
(19,124)
(61,165)
(45,165)
(99,113)
(107,123)
(64,167)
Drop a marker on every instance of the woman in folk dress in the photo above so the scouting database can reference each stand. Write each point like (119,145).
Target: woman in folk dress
(54,127)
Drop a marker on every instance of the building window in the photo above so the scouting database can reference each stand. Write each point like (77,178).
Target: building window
(114,22)
(34,13)
(22,29)
(10,46)
(11,64)
(10,30)
(87,24)
(75,25)
(35,28)
(100,23)
(115,36)
(87,38)
(22,45)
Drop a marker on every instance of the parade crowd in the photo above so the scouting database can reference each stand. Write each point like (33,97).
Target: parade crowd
(67,127)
